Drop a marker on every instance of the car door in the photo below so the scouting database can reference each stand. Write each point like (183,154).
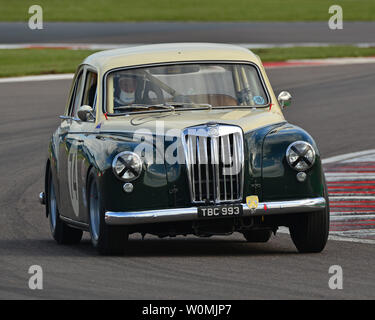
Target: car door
(80,133)
(72,138)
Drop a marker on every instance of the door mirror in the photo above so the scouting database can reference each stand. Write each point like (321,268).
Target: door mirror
(85,113)
(285,99)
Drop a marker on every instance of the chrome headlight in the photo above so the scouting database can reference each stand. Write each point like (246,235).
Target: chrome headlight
(300,155)
(127,166)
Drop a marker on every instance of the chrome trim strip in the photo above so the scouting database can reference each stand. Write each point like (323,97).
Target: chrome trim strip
(215,167)
(231,158)
(74,223)
(199,166)
(224,161)
(191,163)
(205,151)
(187,214)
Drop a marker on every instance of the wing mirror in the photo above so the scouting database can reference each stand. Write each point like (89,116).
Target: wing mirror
(85,113)
(285,99)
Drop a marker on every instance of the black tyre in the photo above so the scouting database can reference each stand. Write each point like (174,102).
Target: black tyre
(257,235)
(310,231)
(108,240)
(61,232)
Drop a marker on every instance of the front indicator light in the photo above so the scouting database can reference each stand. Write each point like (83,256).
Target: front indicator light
(128,187)
(301,176)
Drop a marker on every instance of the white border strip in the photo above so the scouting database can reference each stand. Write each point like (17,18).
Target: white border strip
(350,217)
(348,239)
(335,237)
(347,156)
(45,77)
(103,46)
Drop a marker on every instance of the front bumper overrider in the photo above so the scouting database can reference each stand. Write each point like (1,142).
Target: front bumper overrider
(191,213)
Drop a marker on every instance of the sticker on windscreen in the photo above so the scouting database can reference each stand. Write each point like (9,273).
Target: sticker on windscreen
(258,100)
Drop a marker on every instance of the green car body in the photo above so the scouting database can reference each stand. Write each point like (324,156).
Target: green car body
(83,151)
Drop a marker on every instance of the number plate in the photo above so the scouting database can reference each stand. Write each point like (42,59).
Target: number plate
(220,211)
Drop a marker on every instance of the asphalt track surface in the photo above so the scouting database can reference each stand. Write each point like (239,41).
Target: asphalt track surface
(155,32)
(335,104)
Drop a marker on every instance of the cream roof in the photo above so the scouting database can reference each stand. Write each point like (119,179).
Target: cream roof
(169,52)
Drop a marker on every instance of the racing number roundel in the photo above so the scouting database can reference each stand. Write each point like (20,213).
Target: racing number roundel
(73,178)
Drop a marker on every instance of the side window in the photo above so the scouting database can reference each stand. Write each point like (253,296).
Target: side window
(89,94)
(74,102)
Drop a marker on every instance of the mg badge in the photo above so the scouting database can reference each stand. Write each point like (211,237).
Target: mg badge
(213,132)
(252,202)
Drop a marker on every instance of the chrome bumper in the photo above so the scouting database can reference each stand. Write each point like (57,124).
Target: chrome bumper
(186,214)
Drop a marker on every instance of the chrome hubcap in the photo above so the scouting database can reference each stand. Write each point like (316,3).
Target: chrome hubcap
(94,211)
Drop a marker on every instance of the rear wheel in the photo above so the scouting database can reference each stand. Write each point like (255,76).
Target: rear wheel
(108,240)
(61,232)
(257,235)
(309,232)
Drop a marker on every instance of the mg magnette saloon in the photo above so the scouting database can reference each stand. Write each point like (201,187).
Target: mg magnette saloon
(178,139)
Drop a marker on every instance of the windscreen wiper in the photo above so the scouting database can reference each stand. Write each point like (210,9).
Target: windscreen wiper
(164,107)
(144,106)
(190,105)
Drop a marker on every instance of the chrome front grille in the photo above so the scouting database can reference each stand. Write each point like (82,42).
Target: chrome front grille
(214,158)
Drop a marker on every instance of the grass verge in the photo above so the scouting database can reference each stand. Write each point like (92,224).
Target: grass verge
(187,10)
(20,62)
(282,54)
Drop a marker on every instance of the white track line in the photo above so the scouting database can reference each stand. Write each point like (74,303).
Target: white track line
(349,156)
(103,46)
(350,217)
(351,198)
(347,177)
(46,77)
(349,239)
(337,213)
(350,174)
(367,231)
(336,236)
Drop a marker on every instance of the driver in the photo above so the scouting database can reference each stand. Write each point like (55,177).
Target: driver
(128,87)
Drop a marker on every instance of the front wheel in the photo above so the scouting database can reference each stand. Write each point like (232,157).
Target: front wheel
(106,239)
(309,232)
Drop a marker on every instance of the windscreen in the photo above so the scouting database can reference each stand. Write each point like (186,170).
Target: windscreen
(215,84)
